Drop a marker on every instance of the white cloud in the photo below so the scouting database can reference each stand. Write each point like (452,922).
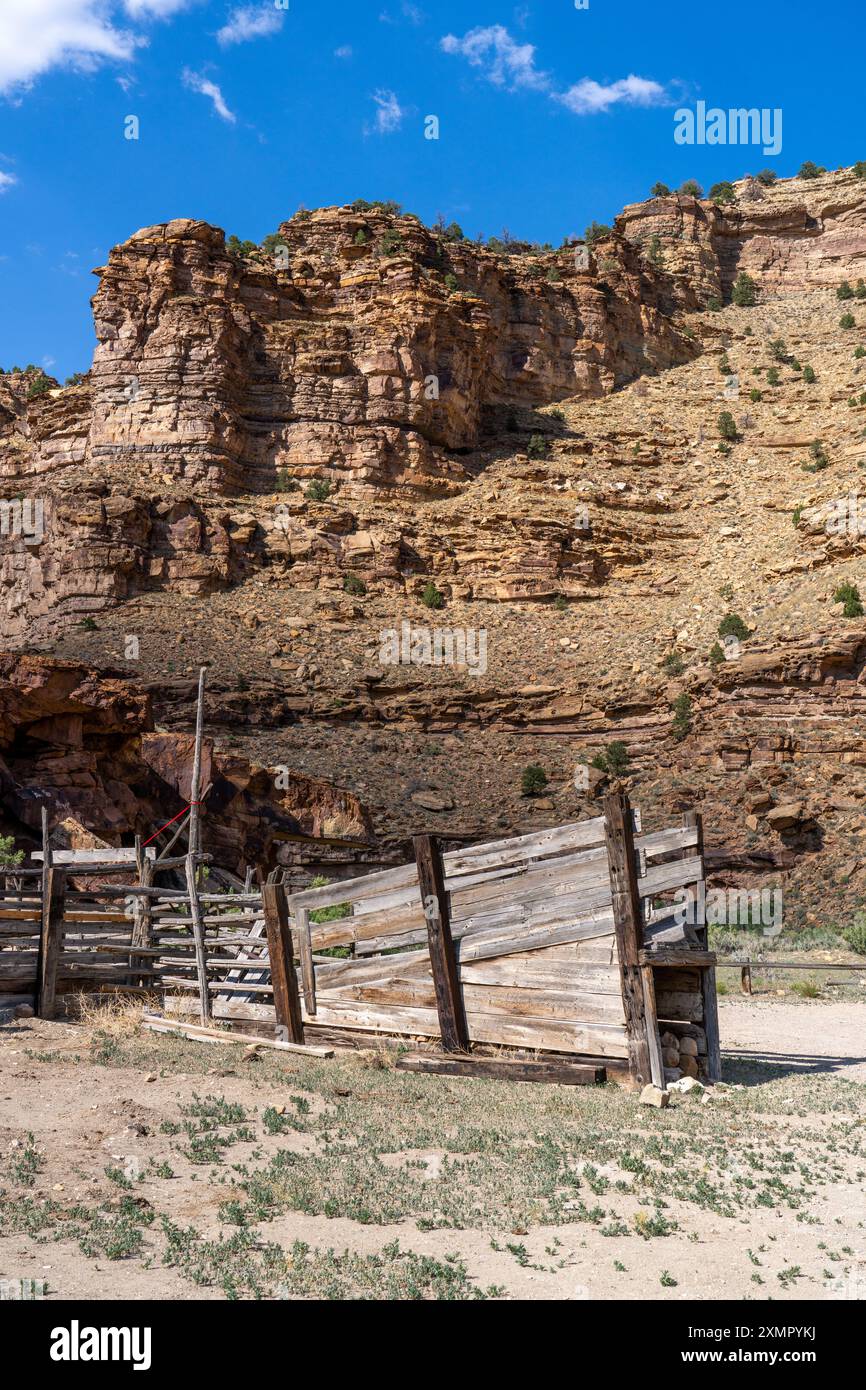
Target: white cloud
(344,52)
(250,22)
(156,9)
(505,62)
(389,116)
(6,181)
(587,97)
(37,35)
(206,88)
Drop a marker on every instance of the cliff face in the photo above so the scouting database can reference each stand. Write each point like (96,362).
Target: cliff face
(537,442)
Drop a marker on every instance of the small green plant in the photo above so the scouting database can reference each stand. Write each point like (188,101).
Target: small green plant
(716,656)
(854,936)
(596,231)
(714,304)
(849,596)
(691,189)
(809,375)
(660,190)
(859,352)
(673,664)
(89,624)
(682,720)
(560,603)
(353,585)
(724,365)
(755,395)
(808,170)
(767,177)
(773,376)
(613,759)
(10,857)
(39,386)
(538,447)
(744,291)
(667,1280)
(846,321)
(391,243)
(796,514)
(778,349)
(361,237)
(807,989)
(723,192)
(236,247)
(431,597)
(732,625)
(451,282)
(844,291)
(728,425)
(285,482)
(533,781)
(318,490)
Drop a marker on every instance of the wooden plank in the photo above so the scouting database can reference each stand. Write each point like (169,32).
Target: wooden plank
(553,1073)
(591,977)
(142,927)
(678,873)
(684,957)
(188,1030)
(627,925)
(597,1039)
(693,822)
(657,1069)
(443,958)
(198,934)
(51,943)
(283,978)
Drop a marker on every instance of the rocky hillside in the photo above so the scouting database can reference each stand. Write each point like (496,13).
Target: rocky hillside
(279,455)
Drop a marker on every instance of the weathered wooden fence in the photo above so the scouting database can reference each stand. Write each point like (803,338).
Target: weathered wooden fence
(558,942)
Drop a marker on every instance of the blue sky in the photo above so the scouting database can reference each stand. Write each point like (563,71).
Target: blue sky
(549,115)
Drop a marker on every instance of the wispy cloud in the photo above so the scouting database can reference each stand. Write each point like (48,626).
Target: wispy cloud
(503,60)
(413,13)
(197,83)
(344,51)
(587,97)
(37,35)
(250,22)
(390,114)
(6,181)
(507,63)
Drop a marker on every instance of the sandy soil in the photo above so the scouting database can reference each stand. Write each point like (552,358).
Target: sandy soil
(85,1115)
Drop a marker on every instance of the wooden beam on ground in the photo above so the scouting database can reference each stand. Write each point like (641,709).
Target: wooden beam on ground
(443,960)
(287,999)
(625,894)
(198,937)
(51,943)
(214,1035)
(552,1071)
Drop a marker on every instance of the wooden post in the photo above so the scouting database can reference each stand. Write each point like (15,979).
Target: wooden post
(287,998)
(443,960)
(709,995)
(51,943)
(142,926)
(746,979)
(198,936)
(195,785)
(625,895)
(694,820)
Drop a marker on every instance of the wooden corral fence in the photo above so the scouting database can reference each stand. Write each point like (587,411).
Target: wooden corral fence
(558,943)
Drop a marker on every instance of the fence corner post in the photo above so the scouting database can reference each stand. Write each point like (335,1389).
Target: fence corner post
(443,958)
(625,898)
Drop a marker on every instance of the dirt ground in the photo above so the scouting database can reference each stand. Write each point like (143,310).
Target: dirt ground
(141,1166)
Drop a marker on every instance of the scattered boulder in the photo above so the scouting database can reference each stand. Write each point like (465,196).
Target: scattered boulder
(651,1095)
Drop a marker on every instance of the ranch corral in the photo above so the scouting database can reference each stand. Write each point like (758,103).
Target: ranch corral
(318,1092)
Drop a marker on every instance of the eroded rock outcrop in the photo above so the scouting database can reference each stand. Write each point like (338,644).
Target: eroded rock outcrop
(83,742)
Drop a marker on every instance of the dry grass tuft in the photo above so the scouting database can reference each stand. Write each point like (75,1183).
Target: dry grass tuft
(116,1015)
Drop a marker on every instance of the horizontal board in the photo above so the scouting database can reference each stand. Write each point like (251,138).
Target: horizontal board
(547,1035)
(686,1005)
